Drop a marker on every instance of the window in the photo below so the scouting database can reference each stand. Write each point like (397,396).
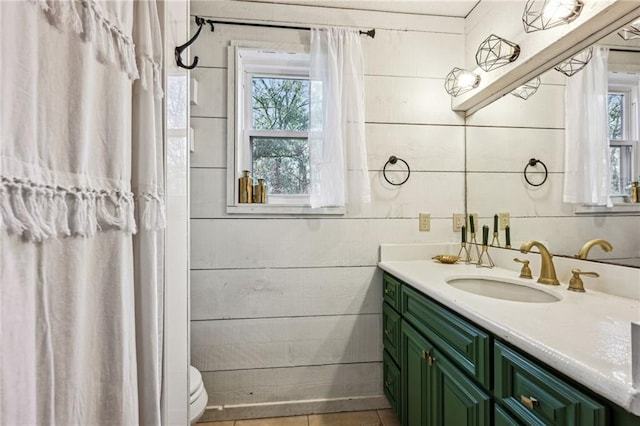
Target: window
(623,131)
(268,126)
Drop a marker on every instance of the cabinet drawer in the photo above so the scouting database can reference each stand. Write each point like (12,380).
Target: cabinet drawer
(502,418)
(391,383)
(391,288)
(537,397)
(391,331)
(466,345)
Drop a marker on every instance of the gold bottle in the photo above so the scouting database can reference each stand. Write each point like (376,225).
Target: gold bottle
(260,192)
(635,195)
(245,187)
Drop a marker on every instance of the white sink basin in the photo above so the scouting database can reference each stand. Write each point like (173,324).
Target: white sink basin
(499,288)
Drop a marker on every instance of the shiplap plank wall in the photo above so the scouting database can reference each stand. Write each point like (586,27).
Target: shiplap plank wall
(286,312)
(501,138)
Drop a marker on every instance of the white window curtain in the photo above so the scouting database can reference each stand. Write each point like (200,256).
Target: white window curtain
(82,212)
(337,150)
(587,168)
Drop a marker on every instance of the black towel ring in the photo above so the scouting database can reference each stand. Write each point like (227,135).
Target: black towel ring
(533,162)
(393,160)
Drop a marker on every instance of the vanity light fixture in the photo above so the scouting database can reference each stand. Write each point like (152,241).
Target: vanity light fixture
(575,63)
(496,52)
(545,14)
(631,31)
(460,81)
(527,89)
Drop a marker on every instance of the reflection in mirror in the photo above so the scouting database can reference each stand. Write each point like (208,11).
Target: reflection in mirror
(504,136)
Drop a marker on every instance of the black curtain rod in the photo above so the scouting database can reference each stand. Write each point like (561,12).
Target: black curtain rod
(371,33)
(201,22)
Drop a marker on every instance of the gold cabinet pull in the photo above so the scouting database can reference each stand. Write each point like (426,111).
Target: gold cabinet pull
(387,383)
(432,360)
(387,332)
(529,402)
(425,354)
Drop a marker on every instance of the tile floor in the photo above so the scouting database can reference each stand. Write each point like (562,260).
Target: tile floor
(354,418)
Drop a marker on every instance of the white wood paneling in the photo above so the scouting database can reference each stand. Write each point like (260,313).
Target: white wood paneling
(285,342)
(544,109)
(490,193)
(388,201)
(212,93)
(247,11)
(273,296)
(261,243)
(293,384)
(210,142)
(568,234)
(267,293)
(412,54)
(504,149)
(426,148)
(408,101)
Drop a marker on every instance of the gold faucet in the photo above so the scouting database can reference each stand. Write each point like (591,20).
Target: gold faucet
(584,251)
(547,270)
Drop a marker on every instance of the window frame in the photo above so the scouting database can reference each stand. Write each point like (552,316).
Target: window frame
(628,87)
(242,66)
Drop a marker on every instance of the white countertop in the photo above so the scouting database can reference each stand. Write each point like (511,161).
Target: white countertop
(586,336)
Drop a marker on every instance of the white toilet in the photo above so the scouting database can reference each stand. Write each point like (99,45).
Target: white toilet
(197,395)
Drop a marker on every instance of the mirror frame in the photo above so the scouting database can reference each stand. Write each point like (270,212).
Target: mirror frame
(542,50)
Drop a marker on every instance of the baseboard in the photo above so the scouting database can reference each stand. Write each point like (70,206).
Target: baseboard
(294,408)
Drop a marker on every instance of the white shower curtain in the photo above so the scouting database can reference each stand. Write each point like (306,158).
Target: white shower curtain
(337,149)
(81,170)
(587,164)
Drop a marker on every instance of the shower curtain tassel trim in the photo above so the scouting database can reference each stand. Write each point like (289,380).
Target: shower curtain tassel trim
(143,62)
(152,208)
(38,212)
(85,18)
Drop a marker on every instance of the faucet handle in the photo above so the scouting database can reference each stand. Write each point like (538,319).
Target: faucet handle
(525,272)
(575,283)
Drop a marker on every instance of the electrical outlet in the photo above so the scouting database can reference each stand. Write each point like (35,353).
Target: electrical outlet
(458,221)
(503,220)
(425,222)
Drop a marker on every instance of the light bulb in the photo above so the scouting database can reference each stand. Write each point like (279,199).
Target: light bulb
(467,79)
(559,10)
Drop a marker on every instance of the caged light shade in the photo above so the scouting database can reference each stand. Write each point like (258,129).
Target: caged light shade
(496,52)
(545,14)
(631,31)
(460,81)
(575,63)
(527,89)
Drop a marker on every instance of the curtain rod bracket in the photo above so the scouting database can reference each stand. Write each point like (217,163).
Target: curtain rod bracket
(200,22)
(371,33)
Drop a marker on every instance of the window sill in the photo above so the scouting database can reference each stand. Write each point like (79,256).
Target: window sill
(618,208)
(283,209)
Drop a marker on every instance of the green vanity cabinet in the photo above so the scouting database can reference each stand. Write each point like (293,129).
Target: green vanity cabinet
(455,399)
(391,323)
(440,369)
(537,397)
(435,391)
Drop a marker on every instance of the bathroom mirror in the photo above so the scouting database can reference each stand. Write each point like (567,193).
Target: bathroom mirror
(501,139)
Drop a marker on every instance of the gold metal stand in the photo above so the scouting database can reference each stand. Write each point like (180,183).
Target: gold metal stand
(481,264)
(495,242)
(472,240)
(467,257)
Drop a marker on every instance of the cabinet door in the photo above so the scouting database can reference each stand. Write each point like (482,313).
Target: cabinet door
(454,398)
(414,370)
